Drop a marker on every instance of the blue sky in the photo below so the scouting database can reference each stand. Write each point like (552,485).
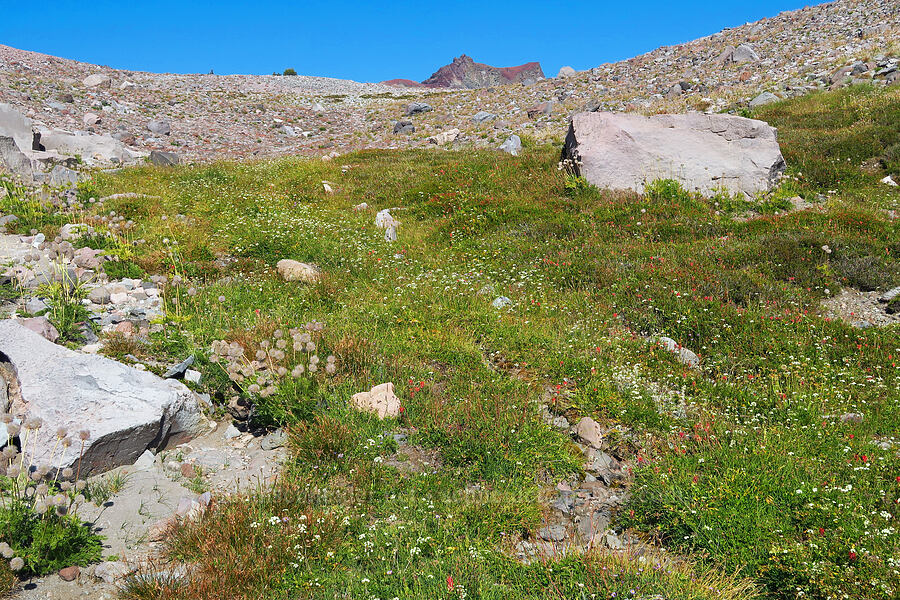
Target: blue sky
(365,41)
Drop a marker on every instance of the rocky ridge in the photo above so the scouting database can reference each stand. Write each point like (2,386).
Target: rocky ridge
(464,72)
(208,117)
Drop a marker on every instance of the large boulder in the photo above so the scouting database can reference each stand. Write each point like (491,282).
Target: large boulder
(14,160)
(19,127)
(705,153)
(93,149)
(126,411)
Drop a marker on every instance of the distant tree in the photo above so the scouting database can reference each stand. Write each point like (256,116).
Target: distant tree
(289,72)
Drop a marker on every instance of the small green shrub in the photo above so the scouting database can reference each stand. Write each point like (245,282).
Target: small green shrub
(40,531)
(120,269)
(67,313)
(290,72)
(576,185)
(666,189)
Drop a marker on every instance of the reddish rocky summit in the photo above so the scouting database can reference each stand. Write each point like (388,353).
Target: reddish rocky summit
(464,72)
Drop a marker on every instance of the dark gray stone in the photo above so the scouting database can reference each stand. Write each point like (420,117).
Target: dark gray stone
(164,159)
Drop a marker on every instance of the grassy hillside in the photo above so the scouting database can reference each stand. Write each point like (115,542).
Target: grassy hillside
(745,466)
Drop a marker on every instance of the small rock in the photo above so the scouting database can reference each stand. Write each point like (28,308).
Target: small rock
(852,417)
(404,127)
(145,461)
(42,326)
(160,127)
(69,573)
(483,116)
(112,571)
(553,533)
(231,432)
(613,542)
(193,376)
(35,305)
(96,80)
(164,159)
(178,371)
(380,400)
(590,432)
(444,137)
(512,145)
(565,72)
(763,99)
(274,440)
(501,302)
(292,270)
(415,108)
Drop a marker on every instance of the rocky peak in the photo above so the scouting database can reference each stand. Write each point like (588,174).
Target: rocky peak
(464,72)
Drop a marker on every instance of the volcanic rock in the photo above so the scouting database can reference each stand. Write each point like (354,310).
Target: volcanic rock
(464,72)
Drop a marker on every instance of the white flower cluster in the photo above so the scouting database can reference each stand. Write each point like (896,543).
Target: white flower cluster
(292,352)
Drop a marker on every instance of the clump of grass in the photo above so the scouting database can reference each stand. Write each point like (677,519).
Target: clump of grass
(101,489)
(67,312)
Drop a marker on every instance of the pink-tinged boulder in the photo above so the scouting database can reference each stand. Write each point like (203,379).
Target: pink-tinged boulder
(41,326)
(380,400)
(590,432)
(705,153)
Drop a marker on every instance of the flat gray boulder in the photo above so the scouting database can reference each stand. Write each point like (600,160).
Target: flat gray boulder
(705,153)
(126,411)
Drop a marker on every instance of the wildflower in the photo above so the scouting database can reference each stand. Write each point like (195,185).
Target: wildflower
(61,432)
(84,435)
(17,563)
(5,550)
(33,423)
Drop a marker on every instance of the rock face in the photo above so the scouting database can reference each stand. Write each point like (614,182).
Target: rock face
(705,153)
(464,72)
(380,400)
(125,410)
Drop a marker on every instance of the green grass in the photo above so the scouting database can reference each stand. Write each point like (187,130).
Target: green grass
(745,467)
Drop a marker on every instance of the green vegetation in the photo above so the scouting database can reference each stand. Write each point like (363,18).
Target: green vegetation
(290,72)
(40,531)
(746,466)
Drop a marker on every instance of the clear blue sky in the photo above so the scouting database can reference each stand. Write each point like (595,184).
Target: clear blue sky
(365,41)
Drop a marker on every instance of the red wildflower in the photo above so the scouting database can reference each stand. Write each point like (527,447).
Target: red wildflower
(449,583)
